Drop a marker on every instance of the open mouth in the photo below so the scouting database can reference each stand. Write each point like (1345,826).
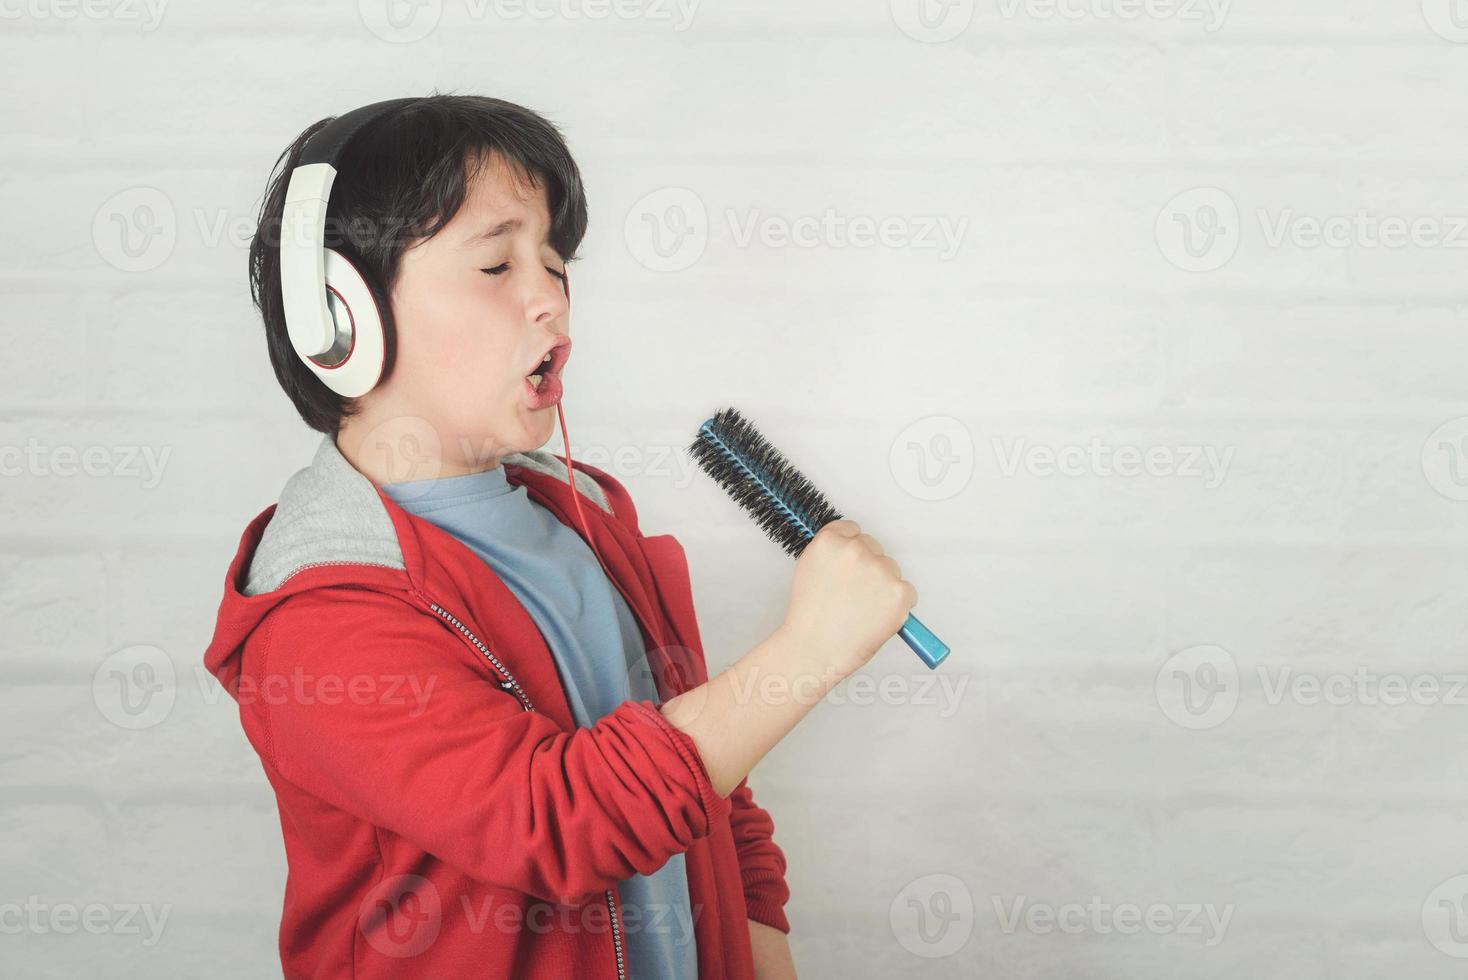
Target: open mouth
(550,365)
(543,385)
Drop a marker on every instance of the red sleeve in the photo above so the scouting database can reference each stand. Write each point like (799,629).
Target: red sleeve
(761,862)
(444,757)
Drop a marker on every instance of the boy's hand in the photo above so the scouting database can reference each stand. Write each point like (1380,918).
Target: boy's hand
(847,598)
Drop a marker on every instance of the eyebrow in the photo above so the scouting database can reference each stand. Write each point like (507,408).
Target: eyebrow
(504,227)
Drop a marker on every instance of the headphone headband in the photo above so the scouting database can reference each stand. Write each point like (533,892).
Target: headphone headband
(327,144)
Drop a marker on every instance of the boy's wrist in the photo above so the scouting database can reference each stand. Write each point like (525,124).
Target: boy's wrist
(805,662)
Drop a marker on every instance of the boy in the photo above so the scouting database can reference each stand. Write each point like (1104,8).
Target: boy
(474,778)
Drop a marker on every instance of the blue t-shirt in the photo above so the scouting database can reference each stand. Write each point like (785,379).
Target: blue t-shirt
(599,653)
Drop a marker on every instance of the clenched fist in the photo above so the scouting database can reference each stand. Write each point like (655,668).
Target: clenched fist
(847,598)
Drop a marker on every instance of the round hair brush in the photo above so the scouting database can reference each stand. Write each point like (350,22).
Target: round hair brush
(786,506)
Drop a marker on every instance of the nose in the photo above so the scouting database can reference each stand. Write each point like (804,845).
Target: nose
(552,297)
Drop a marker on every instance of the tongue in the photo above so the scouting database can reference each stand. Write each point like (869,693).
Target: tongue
(547,392)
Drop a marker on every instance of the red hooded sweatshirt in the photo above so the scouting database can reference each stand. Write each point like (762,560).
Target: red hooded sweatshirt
(442,815)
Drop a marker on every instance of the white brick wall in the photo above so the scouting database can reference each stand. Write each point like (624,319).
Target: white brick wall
(1066,752)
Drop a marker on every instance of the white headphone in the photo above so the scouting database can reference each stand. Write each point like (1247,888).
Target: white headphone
(335,323)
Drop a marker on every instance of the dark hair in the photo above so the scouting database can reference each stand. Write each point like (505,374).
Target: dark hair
(402,178)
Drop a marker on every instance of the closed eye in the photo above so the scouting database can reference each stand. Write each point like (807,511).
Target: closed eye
(504,267)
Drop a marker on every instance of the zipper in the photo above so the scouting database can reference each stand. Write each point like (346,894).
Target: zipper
(512,685)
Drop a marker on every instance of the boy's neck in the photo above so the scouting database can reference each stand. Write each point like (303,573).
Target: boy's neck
(404,451)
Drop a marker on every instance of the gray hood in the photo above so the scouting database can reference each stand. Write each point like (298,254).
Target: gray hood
(330,512)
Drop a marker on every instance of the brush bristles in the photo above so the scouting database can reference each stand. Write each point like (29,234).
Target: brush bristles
(786,505)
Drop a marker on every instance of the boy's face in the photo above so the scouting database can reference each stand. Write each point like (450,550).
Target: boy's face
(467,338)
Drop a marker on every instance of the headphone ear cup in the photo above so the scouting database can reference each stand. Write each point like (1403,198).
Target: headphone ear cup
(382,305)
(356,361)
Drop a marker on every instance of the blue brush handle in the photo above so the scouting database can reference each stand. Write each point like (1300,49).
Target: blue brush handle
(927,646)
